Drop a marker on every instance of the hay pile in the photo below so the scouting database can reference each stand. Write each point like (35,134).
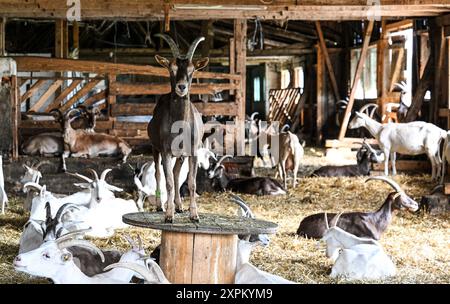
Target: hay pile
(418,244)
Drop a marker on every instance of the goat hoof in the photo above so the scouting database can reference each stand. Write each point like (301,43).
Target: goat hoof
(195,219)
(179,210)
(159,209)
(168,220)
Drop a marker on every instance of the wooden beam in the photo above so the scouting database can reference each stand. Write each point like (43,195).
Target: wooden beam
(33,90)
(320,94)
(348,142)
(43,99)
(232,59)
(424,85)
(217,9)
(38,64)
(395,74)
(207,109)
(240,36)
(399,26)
(57,102)
(2,36)
(15,109)
(382,71)
(95,98)
(120,88)
(80,94)
(356,78)
(330,69)
(75,36)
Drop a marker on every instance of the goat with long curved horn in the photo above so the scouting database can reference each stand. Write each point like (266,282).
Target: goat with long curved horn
(193,47)
(392,183)
(173,46)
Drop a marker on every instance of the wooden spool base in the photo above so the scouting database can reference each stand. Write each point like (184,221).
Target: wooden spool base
(199,253)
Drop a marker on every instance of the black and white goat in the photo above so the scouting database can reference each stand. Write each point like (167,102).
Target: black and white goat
(250,185)
(365,156)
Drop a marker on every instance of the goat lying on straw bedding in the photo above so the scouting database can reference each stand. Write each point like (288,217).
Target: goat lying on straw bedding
(356,258)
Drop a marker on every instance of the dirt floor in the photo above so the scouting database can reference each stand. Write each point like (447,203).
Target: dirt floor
(419,244)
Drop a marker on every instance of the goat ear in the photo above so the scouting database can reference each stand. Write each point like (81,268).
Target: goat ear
(162,61)
(201,63)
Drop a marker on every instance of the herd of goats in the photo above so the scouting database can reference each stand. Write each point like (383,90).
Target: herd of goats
(52,244)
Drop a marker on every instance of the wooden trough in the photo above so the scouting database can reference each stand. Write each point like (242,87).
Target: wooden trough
(199,253)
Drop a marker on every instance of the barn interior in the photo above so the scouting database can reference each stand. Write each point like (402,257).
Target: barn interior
(309,65)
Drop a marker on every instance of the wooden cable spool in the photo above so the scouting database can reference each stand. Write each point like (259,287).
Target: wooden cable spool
(199,253)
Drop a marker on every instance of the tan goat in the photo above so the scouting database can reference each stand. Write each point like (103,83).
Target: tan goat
(82,143)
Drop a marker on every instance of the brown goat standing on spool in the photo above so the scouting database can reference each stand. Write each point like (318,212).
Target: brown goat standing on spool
(171,109)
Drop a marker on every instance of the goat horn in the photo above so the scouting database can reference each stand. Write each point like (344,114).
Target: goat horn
(72,234)
(81,243)
(94,173)
(173,46)
(335,219)
(34,185)
(48,211)
(193,47)
(85,178)
(252,117)
(401,85)
(223,158)
(104,173)
(70,112)
(141,270)
(326,221)
(387,180)
(41,163)
(247,211)
(63,209)
(286,126)
(130,240)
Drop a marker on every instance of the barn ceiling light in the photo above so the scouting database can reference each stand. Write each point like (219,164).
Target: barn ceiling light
(220,7)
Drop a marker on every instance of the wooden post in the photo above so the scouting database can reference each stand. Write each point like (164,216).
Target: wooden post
(382,67)
(76,36)
(438,44)
(15,116)
(59,38)
(240,36)
(188,258)
(321,100)
(330,69)
(2,36)
(8,107)
(232,61)
(111,98)
(358,72)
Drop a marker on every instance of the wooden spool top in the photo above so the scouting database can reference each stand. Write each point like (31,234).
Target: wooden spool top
(209,223)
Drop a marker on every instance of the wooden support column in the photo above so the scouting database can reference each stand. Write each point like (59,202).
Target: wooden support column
(232,60)
(111,97)
(358,72)
(240,36)
(438,48)
(382,52)
(61,39)
(15,117)
(9,108)
(76,36)
(320,91)
(330,69)
(2,36)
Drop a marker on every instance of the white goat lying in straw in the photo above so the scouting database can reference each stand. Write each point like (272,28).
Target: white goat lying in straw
(98,209)
(104,213)
(356,258)
(411,138)
(145,181)
(246,273)
(52,260)
(3,197)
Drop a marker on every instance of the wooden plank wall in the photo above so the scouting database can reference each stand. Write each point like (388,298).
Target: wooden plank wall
(106,85)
